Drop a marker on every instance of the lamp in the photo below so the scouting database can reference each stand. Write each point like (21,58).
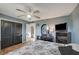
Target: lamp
(47,27)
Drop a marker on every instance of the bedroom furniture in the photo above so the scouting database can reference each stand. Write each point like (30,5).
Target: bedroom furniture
(62,34)
(38,37)
(47,37)
(63,37)
(11,33)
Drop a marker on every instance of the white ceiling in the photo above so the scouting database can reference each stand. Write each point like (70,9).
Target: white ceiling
(47,10)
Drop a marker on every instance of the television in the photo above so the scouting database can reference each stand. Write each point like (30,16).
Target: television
(62,26)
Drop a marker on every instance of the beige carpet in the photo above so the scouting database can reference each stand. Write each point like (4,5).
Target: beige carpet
(38,47)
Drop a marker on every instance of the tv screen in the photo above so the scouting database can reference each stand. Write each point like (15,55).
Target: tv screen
(61,26)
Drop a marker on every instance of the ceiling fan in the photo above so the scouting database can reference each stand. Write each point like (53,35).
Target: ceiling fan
(29,13)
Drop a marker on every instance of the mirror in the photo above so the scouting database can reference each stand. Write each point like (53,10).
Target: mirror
(44,29)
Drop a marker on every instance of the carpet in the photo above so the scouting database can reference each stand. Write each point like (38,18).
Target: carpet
(40,47)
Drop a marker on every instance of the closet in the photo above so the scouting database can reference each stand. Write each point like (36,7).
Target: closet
(11,33)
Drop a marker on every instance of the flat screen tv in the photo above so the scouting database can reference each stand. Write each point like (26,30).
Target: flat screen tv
(61,26)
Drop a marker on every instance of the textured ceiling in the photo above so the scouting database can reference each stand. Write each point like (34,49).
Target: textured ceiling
(47,10)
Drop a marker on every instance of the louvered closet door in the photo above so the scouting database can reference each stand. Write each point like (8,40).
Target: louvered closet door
(6,35)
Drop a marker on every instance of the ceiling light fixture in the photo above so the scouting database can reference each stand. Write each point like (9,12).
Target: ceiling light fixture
(28,16)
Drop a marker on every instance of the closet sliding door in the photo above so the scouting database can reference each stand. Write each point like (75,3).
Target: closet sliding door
(6,35)
(11,33)
(18,33)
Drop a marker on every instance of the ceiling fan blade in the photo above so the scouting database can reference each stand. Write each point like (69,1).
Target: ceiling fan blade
(36,11)
(20,10)
(36,16)
(30,9)
(21,15)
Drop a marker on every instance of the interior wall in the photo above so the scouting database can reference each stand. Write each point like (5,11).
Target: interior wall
(8,18)
(0,34)
(75,25)
(51,23)
(72,20)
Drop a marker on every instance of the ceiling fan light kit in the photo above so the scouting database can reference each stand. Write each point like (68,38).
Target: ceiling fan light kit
(29,13)
(28,16)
